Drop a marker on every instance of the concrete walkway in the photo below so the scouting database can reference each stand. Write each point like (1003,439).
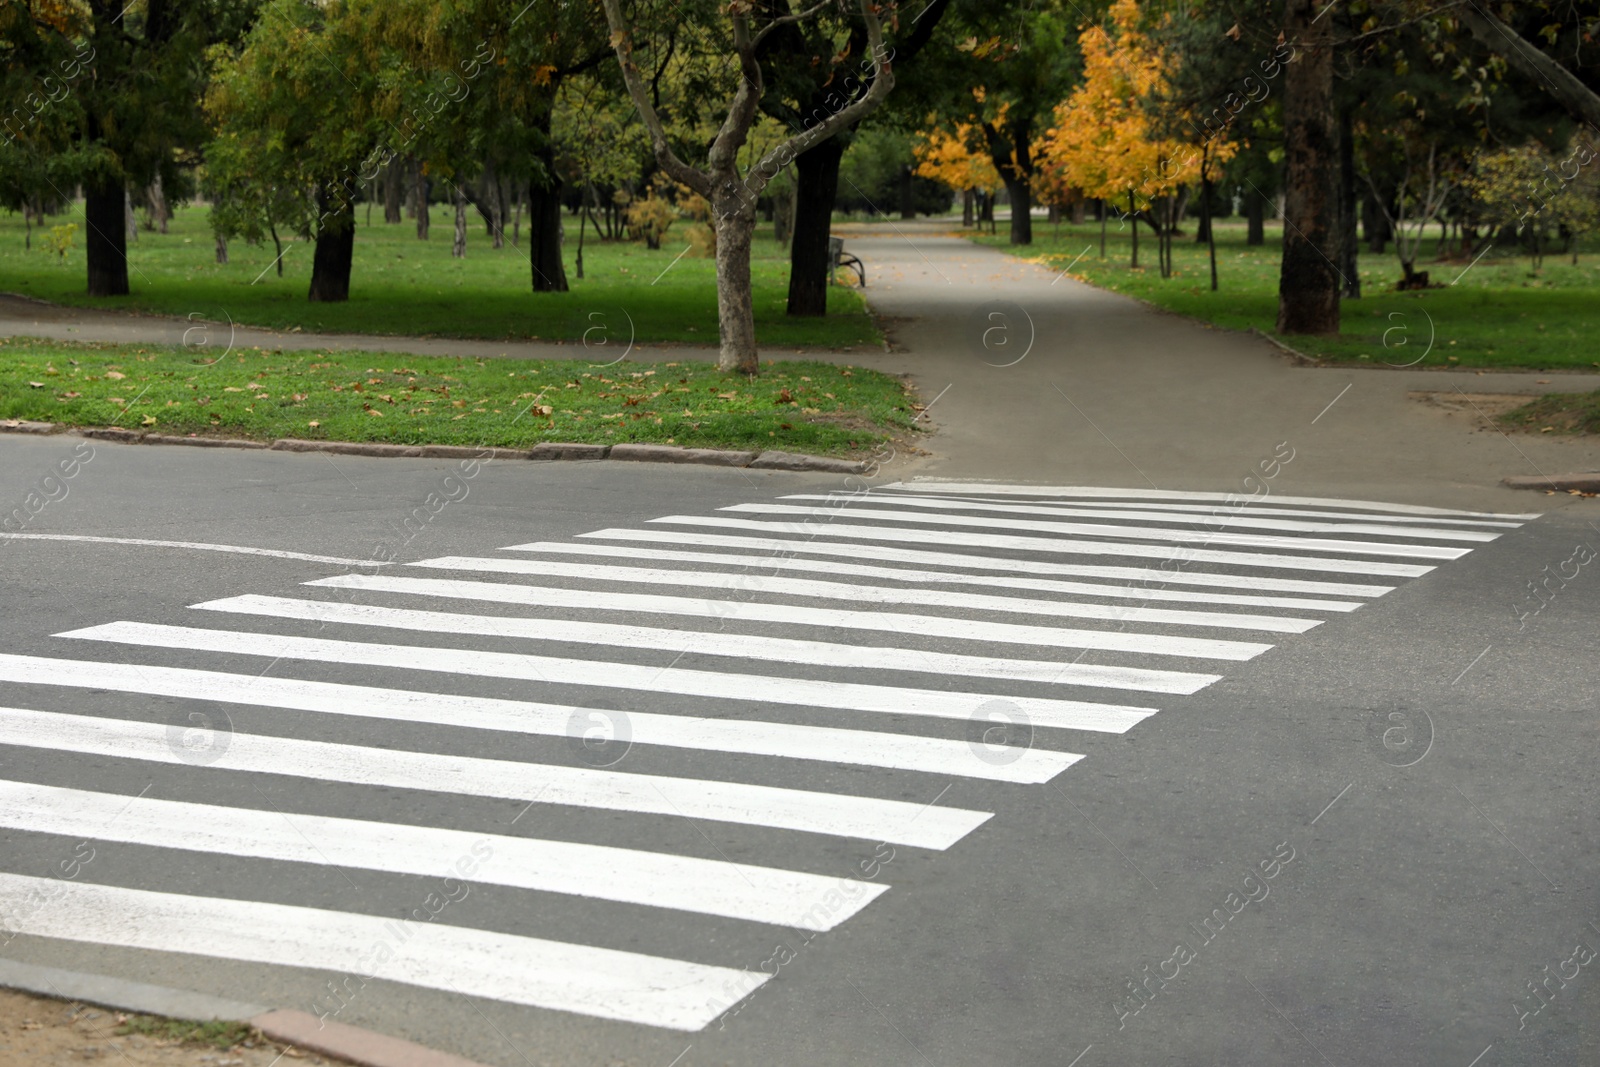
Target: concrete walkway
(1035,377)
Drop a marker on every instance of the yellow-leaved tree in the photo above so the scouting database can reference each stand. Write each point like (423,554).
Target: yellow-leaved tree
(959,159)
(1110,140)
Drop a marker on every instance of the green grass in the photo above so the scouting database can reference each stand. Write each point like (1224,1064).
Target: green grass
(1559,412)
(402,286)
(215,1032)
(1498,314)
(385,396)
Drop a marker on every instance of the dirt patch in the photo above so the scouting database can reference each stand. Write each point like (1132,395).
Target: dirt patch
(1477,411)
(42,1032)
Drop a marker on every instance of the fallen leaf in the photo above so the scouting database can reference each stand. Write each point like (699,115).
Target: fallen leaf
(37,385)
(232,389)
(149,420)
(262,396)
(313,424)
(70,396)
(115,375)
(375,411)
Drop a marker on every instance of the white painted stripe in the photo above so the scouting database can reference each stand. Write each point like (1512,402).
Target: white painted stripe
(1000,542)
(848,696)
(606,983)
(1146,533)
(727,561)
(837,814)
(1000,489)
(197,545)
(1241,504)
(751,611)
(909,752)
(1158,577)
(1233,517)
(747,583)
(630,876)
(744,646)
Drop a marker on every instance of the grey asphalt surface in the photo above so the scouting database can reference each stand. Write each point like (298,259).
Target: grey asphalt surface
(1412,914)
(1420,901)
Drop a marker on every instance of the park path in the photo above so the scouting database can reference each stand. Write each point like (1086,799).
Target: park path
(1040,378)
(1036,377)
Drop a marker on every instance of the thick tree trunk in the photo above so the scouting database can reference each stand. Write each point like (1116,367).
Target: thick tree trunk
(1078,212)
(966,208)
(420,197)
(393,181)
(330,264)
(1255,213)
(1308,281)
(544,215)
(735,224)
(782,212)
(458,247)
(105,206)
(817,186)
(1021,197)
(222,249)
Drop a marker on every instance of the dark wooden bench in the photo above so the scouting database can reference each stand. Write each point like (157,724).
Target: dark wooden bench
(838,257)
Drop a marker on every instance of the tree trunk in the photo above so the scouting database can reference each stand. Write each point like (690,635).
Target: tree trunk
(330,264)
(1021,197)
(782,212)
(1133,264)
(1255,211)
(420,194)
(1349,240)
(105,219)
(458,247)
(1308,282)
(160,213)
(1374,224)
(966,208)
(735,224)
(222,249)
(1078,211)
(817,185)
(393,179)
(129,222)
(544,238)
(277,246)
(1205,223)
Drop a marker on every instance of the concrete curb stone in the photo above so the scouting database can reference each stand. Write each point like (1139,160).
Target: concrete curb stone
(794,461)
(26,426)
(1588,482)
(673,454)
(202,442)
(347,448)
(297,1028)
(110,433)
(364,1047)
(568,450)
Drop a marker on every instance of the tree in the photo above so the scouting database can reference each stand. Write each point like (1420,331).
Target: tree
(733,195)
(958,159)
(294,124)
(814,69)
(108,100)
(1532,190)
(1308,280)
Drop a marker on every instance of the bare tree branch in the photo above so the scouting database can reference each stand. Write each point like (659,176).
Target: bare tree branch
(788,19)
(1581,102)
(622,41)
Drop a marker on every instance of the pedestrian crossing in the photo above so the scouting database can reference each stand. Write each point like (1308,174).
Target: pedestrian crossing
(775,641)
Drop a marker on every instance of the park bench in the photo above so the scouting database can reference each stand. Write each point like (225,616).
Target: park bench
(838,257)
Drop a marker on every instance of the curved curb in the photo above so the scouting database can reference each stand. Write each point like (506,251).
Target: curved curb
(296,1028)
(1583,483)
(544,450)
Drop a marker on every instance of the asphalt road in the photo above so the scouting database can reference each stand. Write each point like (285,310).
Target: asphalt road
(1369,838)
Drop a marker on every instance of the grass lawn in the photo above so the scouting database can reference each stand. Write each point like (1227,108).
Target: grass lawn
(1557,413)
(400,285)
(382,396)
(1496,314)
